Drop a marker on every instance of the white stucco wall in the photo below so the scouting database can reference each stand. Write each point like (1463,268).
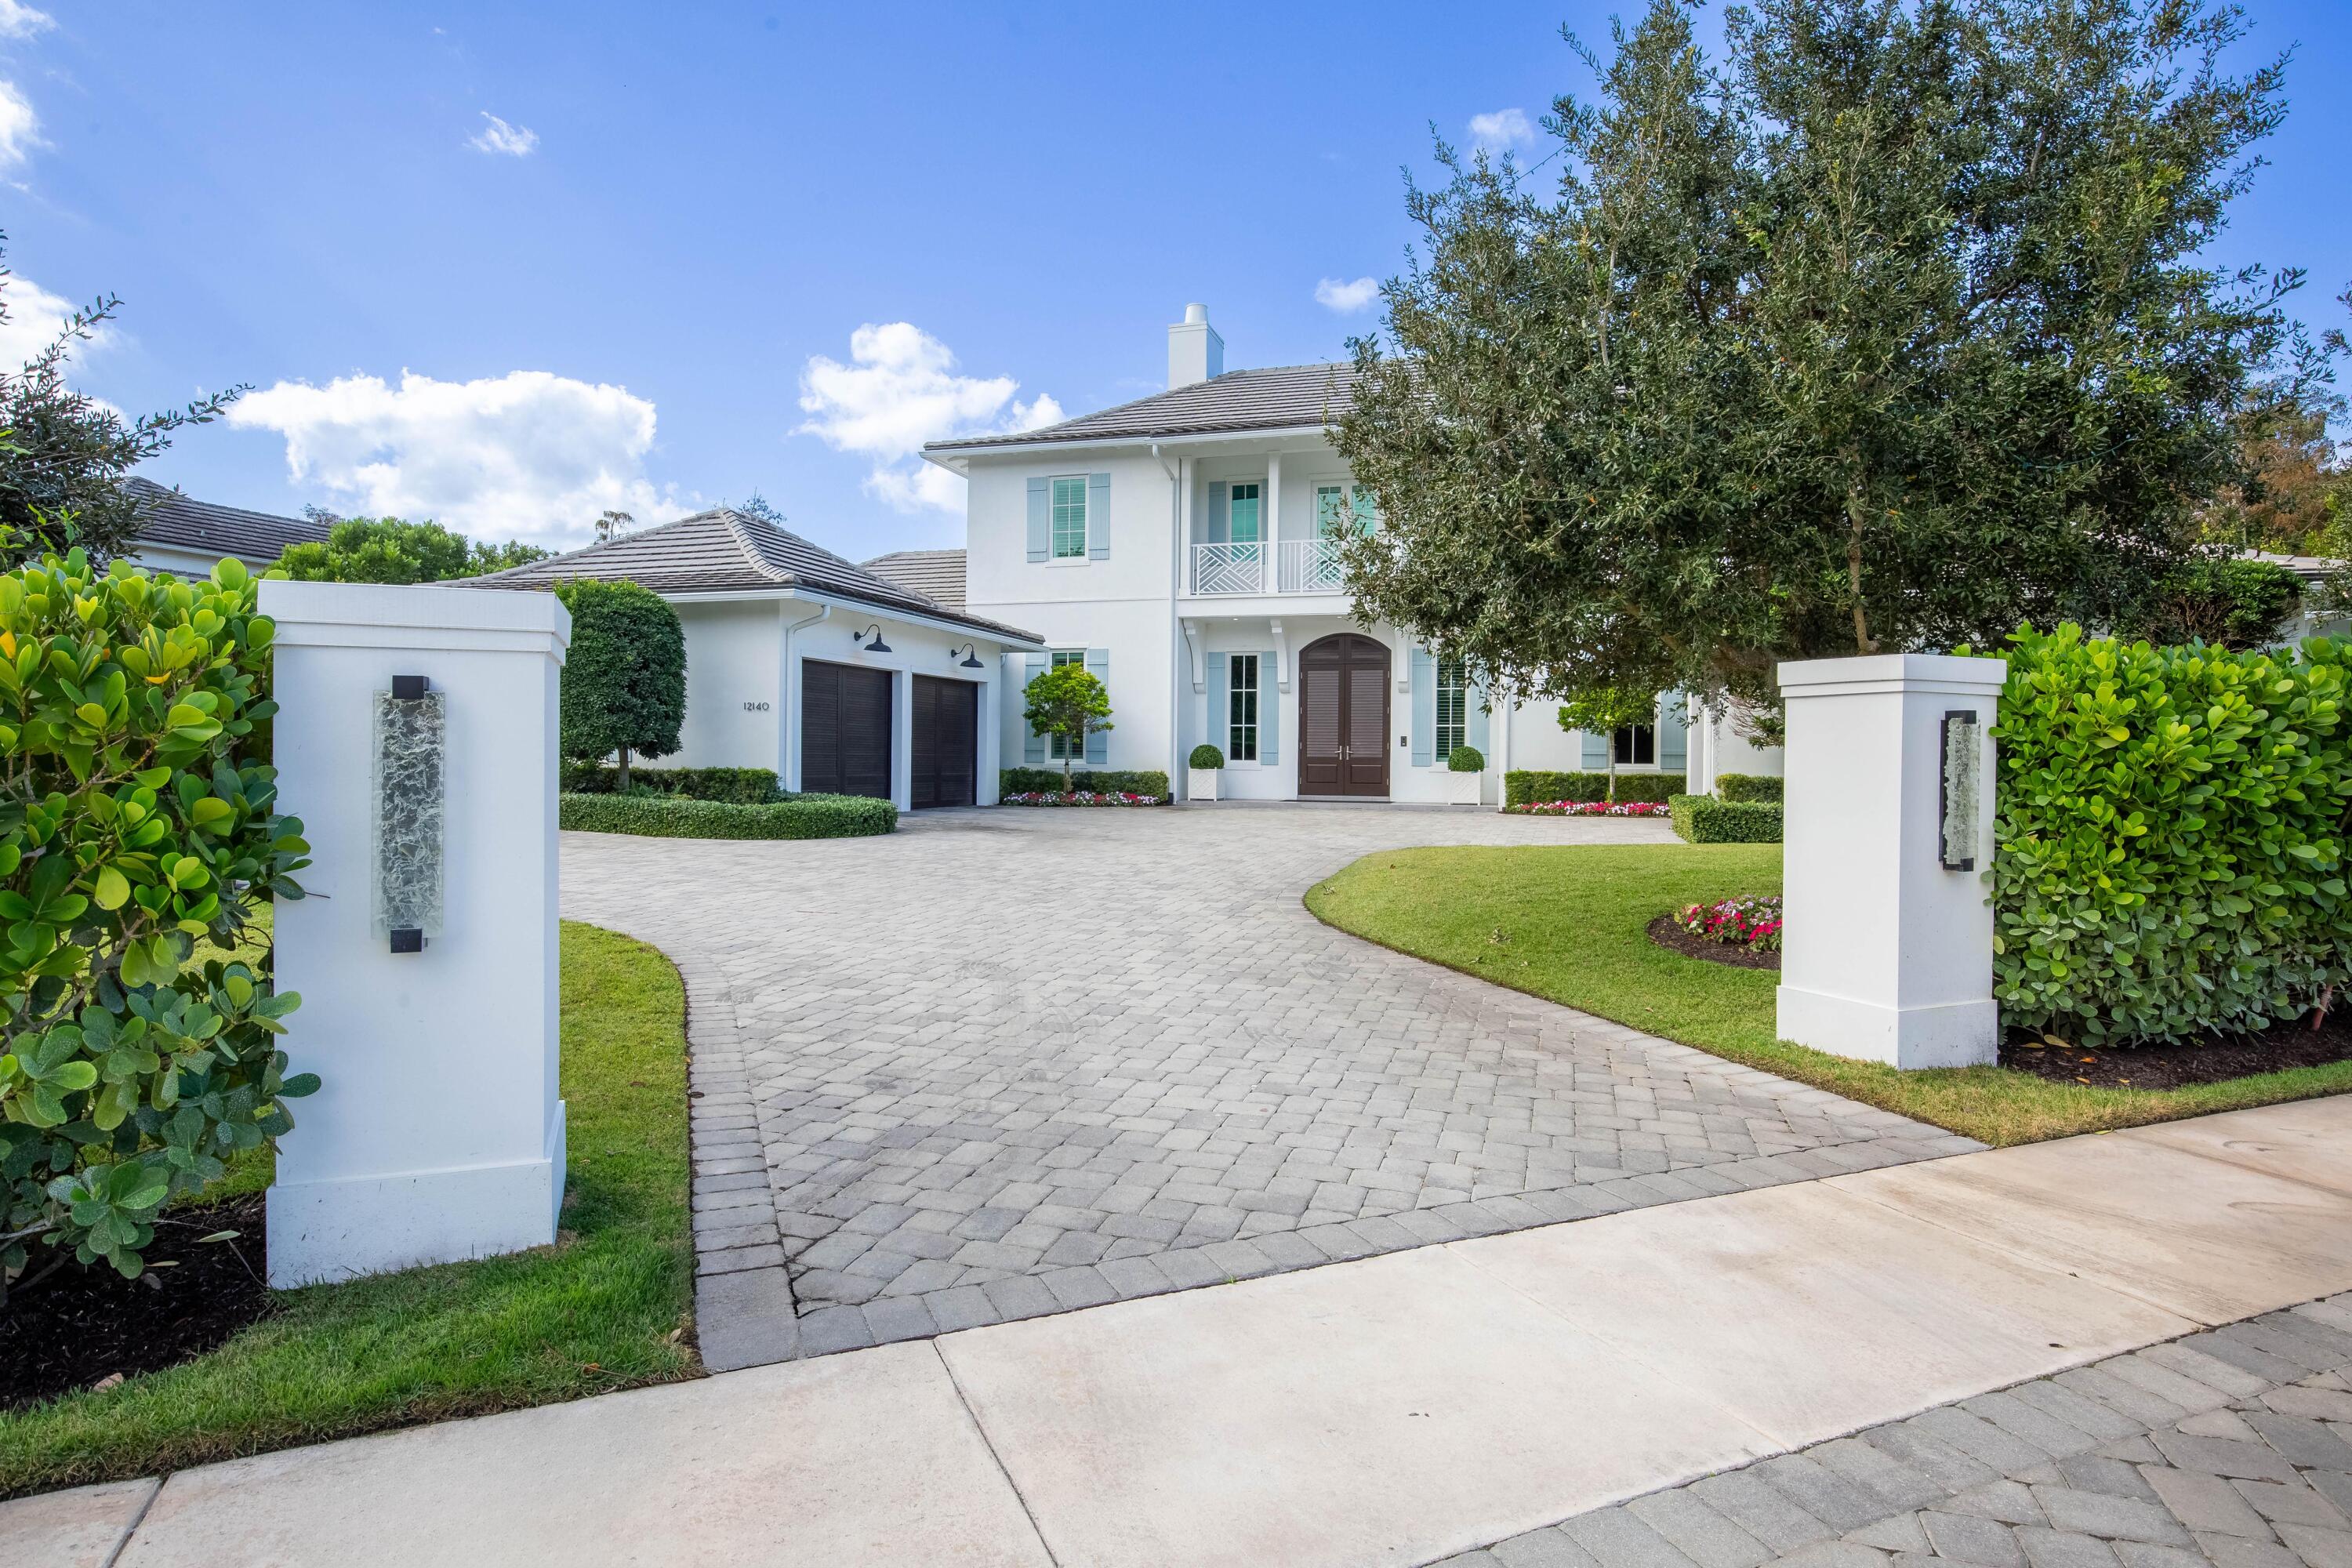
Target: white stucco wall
(732,657)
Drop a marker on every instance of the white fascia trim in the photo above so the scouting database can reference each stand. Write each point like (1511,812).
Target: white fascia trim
(881,612)
(949,460)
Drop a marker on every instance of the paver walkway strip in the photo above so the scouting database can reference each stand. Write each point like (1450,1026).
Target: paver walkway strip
(1408,1406)
(1007,1063)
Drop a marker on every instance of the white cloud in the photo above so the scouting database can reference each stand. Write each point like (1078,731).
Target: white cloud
(1347,298)
(498,136)
(1504,129)
(526,455)
(899,391)
(36,317)
(18,20)
(20,128)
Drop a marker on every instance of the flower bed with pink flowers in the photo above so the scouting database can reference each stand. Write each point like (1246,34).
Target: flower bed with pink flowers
(1079,798)
(1751,922)
(1590,809)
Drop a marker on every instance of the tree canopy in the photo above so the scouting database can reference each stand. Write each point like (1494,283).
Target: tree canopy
(389,550)
(1888,330)
(1069,701)
(625,677)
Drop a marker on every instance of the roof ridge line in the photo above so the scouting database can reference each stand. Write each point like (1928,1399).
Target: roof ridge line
(758,557)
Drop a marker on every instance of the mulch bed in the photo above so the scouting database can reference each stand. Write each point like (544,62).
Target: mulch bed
(81,1326)
(2213,1059)
(1667,934)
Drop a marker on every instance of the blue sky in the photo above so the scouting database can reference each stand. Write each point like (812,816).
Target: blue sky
(621,288)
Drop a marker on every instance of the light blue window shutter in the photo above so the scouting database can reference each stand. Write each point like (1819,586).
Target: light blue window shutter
(1041,521)
(1477,719)
(1596,750)
(1221,513)
(1674,745)
(1099,516)
(1269,708)
(1099,743)
(1424,707)
(1033,750)
(1219,732)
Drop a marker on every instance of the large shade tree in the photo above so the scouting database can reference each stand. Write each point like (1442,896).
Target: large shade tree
(392,550)
(1888,330)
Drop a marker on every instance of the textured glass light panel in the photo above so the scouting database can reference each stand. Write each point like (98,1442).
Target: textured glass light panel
(409,732)
(1963,769)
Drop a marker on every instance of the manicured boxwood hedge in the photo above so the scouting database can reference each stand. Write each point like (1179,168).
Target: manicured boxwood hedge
(1703,819)
(739,786)
(1536,786)
(1048,781)
(1747,787)
(2171,825)
(672,816)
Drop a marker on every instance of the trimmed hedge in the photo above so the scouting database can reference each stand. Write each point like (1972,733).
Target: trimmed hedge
(2171,825)
(1703,819)
(737,787)
(1735,788)
(1048,781)
(674,816)
(1536,786)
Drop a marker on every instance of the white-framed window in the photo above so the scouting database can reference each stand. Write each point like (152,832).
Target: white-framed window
(1241,709)
(1069,512)
(1637,744)
(1058,747)
(1453,708)
(1338,506)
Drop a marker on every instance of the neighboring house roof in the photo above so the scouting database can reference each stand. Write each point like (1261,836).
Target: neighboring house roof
(2309,567)
(934,573)
(255,538)
(1283,398)
(724,552)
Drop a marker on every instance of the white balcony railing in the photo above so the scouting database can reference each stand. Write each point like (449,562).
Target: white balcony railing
(1302,566)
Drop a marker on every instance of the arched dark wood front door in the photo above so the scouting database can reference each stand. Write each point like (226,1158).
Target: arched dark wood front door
(1343,717)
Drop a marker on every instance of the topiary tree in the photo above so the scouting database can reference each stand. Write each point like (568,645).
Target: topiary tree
(138,817)
(1067,702)
(389,550)
(624,679)
(1605,709)
(1206,758)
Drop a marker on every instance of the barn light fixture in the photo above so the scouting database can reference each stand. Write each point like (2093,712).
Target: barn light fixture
(878,645)
(970,660)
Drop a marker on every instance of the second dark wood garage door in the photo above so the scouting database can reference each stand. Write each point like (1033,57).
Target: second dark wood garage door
(844,729)
(945,723)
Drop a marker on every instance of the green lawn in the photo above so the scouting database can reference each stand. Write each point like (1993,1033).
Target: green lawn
(1568,923)
(602,1308)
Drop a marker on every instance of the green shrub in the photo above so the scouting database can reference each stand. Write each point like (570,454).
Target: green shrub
(2170,825)
(624,677)
(1465,760)
(1115,781)
(736,786)
(1656,788)
(1205,758)
(1536,786)
(1735,788)
(138,815)
(674,816)
(1703,819)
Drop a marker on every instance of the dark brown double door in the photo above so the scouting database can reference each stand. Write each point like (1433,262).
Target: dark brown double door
(946,724)
(844,729)
(1343,717)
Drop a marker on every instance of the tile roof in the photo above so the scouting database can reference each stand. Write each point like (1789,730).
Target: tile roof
(255,538)
(934,573)
(1282,398)
(721,552)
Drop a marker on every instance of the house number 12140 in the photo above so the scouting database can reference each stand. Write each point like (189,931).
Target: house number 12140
(755,708)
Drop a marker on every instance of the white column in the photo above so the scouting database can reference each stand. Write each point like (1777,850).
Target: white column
(1269,577)
(437,1132)
(1887,953)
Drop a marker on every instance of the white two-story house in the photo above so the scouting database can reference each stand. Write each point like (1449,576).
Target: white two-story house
(1182,548)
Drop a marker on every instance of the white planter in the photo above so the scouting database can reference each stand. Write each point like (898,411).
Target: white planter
(1201,784)
(1466,788)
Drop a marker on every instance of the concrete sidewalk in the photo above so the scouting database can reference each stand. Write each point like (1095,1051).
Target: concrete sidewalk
(1395,1410)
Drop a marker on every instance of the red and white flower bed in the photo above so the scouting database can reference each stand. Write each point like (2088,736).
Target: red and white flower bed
(1752,923)
(1080,797)
(1592,808)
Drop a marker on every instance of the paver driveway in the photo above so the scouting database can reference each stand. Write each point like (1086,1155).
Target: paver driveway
(1006,1062)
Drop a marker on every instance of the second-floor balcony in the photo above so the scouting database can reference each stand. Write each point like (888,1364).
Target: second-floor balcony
(1291,566)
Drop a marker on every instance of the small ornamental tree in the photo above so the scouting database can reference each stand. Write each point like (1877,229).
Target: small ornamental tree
(388,550)
(138,818)
(624,679)
(1603,710)
(1067,702)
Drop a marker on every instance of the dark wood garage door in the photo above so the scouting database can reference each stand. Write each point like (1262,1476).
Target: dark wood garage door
(844,729)
(946,722)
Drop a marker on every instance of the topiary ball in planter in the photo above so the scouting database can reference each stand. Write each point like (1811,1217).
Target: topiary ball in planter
(1205,763)
(1205,757)
(1468,768)
(1465,760)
